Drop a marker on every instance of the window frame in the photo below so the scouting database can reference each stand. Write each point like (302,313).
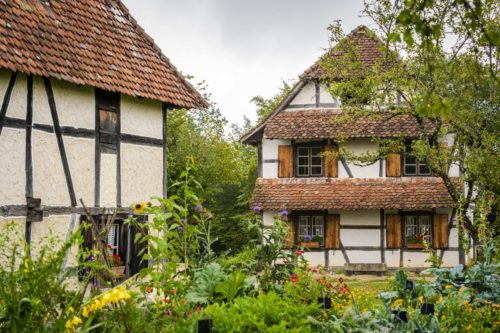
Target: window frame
(309,145)
(108,102)
(418,214)
(296,220)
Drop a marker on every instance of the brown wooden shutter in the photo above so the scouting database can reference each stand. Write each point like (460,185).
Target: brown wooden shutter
(394,239)
(331,162)
(291,233)
(285,161)
(440,235)
(332,232)
(393,165)
(137,249)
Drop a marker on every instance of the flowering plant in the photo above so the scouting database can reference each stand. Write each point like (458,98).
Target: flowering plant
(306,238)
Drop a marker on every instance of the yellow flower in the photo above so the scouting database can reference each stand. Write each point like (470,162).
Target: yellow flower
(469,327)
(139,208)
(464,302)
(440,299)
(449,286)
(72,323)
(421,299)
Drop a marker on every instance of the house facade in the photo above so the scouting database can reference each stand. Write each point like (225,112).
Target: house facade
(372,214)
(84,95)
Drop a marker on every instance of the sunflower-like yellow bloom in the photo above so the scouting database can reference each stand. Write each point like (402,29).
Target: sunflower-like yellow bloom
(139,207)
(72,323)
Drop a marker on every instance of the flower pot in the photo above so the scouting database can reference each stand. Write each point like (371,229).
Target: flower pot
(205,326)
(118,271)
(415,246)
(325,302)
(427,309)
(310,245)
(401,315)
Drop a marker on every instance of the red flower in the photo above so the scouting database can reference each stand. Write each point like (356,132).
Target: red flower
(299,252)
(294,278)
(149,289)
(166,300)
(198,309)
(419,237)
(341,279)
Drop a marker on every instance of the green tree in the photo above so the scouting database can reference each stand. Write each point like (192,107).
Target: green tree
(441,58)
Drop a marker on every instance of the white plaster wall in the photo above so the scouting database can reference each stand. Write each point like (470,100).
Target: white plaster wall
(416,259)
(359,217)
(108,180)
(354,237)
(12,175)
(81,157)
(337,258)
(142,173)
(365,257)
(453,239)
(307,95)
(141,117)
(358,146)
(75,104)
(315,258)
(392,257)
(270,151)
(49,182)
(450,258)
(268,217)
(325,97)
(18,99)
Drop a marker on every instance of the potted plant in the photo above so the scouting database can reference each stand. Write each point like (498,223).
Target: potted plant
(311,242)
(414,242)
(116,263)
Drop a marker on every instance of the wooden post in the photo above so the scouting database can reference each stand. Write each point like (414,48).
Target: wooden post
(6,100)
(165,167)
(29,153)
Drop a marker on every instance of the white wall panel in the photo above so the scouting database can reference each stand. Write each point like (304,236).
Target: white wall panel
(141,117)
(12,175)
(307,95)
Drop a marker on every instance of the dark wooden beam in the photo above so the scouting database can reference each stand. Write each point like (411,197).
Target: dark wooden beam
(6,99)
(60,141)
(381,167)
(164,145)
(29,154)
(21,210)
(271,160)
(141,140)
(97,157)
(344,253)
(259,160)
(346,167)
(362,248)
(360,227)
(316,92)
(118,156)
(382,236)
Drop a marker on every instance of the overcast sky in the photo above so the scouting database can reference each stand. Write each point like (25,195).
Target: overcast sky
(243,48)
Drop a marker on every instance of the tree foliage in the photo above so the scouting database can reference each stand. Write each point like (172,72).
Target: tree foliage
(441,58)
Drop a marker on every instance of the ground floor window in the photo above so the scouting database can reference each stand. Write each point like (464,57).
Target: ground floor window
(416,228)
(311,228)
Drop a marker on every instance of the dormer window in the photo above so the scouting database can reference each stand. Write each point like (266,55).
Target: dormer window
(309,161)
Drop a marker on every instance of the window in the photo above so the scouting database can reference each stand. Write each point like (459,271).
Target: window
(415,228)
(413,167)
(312,226)
(309,161)
(108,108)
(114,238)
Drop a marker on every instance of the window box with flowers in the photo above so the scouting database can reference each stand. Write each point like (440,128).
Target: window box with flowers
(311,242)
(414,242)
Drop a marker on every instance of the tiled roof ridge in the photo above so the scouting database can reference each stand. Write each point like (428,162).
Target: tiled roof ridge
(359,30)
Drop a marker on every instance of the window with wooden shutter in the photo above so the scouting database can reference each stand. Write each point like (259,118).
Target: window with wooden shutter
(108,108)
(291,233)
(331,161)
(440,237)
(393,165)
(285,161)
(332,240)
(394,240)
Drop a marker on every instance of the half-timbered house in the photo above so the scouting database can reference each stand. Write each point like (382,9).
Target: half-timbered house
(372,214)
(84,95)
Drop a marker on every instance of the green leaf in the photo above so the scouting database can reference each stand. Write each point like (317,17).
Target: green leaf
(408,38)
(394,37)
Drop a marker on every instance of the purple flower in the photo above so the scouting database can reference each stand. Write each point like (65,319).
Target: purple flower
(257,209)
(307,237)
(198,208)
(283,213)
(180,228)
(90,257)
(183,220)
(426,237)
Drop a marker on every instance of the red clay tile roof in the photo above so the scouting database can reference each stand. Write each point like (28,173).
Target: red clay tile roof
(351,193)
(90,42)
(367,45)
(331,124)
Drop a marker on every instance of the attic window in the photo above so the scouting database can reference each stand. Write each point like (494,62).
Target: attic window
(108,108)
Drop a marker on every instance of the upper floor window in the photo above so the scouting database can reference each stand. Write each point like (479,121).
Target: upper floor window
(108,108)
(309,161)
(414,167)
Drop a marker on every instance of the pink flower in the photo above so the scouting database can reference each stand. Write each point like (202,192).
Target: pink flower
(294,278)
